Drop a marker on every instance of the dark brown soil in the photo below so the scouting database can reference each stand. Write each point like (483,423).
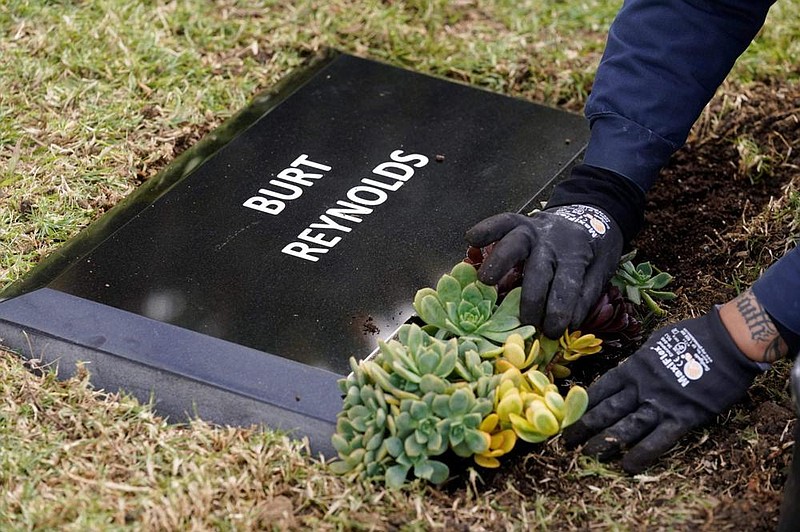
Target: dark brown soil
(694,231)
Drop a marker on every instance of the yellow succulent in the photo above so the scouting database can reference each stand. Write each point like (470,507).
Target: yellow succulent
(513,355)
(574,345)
(501,442)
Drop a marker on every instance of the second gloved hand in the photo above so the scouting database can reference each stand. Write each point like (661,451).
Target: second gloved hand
(570,253)
(681,378)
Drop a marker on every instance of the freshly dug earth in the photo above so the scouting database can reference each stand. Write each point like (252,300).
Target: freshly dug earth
(694,231)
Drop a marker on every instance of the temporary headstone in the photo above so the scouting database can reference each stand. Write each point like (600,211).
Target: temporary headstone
(237,284)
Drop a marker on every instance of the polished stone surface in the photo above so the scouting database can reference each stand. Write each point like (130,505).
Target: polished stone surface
(306,234)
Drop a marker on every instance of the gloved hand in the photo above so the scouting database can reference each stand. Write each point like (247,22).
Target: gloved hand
(682,377)
(570,251)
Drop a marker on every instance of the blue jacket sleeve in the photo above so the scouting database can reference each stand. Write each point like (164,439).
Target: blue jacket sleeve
(778,291)
(663,61)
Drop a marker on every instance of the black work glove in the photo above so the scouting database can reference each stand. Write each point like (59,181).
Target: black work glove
(682,377)
(571,252)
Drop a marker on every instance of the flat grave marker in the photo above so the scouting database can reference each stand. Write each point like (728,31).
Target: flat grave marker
(236,284)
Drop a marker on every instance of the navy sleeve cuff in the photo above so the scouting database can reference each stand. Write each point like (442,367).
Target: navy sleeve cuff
(614,194)
(626,148)
(778,291)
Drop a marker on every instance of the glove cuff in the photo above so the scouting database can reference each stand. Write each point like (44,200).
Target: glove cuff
(617,196)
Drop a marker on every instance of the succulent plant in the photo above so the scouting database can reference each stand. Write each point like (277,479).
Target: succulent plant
(513,355)
(420,426)
(467,382)
(575,345)
(471,366)
(463,306)
(416,363)
(462,414)
(531,406)
(405,460)
(612,319)
(639,284)
(501,441)
(361,426)
(546,355)
(545,411)
(512,279)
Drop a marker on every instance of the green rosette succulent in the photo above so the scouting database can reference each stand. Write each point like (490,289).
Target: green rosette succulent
(414,364)
(464,307)
(420,464)
(461,414)
(640,284)
(419,436)
(470,365)
(362,426)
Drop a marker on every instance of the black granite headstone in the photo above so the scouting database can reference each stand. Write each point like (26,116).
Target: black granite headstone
(237,283)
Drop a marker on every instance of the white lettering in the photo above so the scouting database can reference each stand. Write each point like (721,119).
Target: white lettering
(370,192)
(319,238)
(295,175)
(380,195)
(303,161)
(383,169)
(395,186)
(264,205)
(304,251)
(295,193)
(421,159)
(330,224)
(350,208)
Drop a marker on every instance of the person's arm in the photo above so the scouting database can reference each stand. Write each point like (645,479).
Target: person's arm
(662,64)
(663,61)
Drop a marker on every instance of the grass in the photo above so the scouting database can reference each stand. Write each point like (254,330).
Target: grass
(96,97)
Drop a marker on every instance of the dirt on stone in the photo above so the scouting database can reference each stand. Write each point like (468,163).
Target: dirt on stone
(693,231)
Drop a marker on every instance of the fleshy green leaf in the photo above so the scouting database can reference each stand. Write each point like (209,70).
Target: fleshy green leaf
(448,289)
(477,441)
(340,467)
(396,476)
(412,447)
(464,273)
(423,470)
(394,445)
(555,403)
(440,470)
(543,420)
(575,404)
(525,430)
(459,402)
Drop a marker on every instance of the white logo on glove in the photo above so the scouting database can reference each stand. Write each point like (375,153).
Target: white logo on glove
(682,355)
(590,218)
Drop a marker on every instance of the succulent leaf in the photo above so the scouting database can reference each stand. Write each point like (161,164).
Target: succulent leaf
(612,319)
(543,420)
(509,281)
(464,274)
(555,403)
(525,430)
(575,405)
(539,380)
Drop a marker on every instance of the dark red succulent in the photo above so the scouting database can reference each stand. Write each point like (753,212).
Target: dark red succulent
(511,280)
(612,318)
